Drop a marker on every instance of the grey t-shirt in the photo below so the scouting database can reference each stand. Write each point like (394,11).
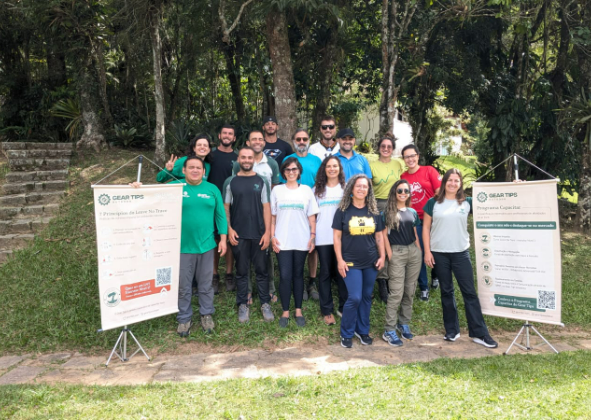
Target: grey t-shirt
(449,226)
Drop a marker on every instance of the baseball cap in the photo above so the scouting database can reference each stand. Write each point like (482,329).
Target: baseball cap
(269,118)
(345,132)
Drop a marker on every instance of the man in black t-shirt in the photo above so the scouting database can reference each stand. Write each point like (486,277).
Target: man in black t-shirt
(275,147)
(223,157)
(246,198)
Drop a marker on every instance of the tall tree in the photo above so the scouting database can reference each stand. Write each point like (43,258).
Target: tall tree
(155,11)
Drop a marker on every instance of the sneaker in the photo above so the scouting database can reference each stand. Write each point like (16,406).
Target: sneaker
(305,293)
(283,321)
(451,336)
(365,339)
(207,323)
(424,295)
(340,313)
(267,312)
(243,313)
(184,329)
(404,331)
(435,283)
(391,338)
(215,283)
(300,321)
(230,283)
(486,341)
(383,289)
(312,290)
(346,342)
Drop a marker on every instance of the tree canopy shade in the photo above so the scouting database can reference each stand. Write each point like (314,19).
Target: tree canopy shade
(152,73)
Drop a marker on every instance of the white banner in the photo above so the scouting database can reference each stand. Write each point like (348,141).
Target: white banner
(517,245)
(138,234)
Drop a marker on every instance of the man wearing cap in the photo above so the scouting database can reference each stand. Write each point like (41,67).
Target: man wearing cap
(275,147)
(353,163)
(327,145)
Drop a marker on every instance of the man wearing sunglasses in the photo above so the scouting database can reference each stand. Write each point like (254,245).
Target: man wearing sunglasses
(327,145)
(310,163)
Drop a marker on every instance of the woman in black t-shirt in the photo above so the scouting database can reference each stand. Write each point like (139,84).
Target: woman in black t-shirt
(359,247)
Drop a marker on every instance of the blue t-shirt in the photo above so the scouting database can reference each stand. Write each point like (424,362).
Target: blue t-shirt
(357,164)
(310,165)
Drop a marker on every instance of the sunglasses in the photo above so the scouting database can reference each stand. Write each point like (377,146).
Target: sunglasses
(291,169)
(410,156)
(402,191)
(304,139)
(327,127)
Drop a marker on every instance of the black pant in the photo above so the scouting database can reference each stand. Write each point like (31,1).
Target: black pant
(291,275)
(459,263)
(246,252)
(328,270)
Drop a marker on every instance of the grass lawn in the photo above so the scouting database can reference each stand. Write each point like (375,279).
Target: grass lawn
(51,298)
(517,386)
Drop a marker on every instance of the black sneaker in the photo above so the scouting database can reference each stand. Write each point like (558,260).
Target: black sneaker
(365,339)
(346,342)
(486,341)
(424,295)
(383,289)
(435,283)
(451,336)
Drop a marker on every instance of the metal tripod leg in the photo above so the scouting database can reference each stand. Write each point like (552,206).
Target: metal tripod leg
(122,343)
(526,326)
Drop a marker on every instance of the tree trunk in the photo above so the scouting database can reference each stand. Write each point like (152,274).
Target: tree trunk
(56,64)
(98,52)
(283,81)
(93,135)
(326,72)
(233,64)
(159,131)
(383,110)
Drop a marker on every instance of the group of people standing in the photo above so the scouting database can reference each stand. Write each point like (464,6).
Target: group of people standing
(327,204)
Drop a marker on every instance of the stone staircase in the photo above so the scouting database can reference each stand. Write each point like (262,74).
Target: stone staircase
(34,186)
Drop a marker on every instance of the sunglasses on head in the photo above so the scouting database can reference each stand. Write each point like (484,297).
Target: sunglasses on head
(402,191)
(327,127)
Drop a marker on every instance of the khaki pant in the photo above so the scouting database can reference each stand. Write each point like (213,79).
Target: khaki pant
(403,272)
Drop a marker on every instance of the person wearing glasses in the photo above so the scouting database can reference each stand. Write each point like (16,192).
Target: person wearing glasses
(385,172)
(327,145)
(403,251)
(293,230)
(424,182)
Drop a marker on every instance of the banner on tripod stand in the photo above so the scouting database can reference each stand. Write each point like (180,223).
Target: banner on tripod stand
(517,246)
(138,235)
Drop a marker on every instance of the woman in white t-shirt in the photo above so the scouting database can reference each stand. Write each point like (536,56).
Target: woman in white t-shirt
(447,242)
(293,228)
(328,191)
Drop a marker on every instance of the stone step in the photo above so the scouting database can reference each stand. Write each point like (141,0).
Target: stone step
(8,227)
(20,200)
(43,210)
(36,146)
(4,255)
(38,154)
(15,241)
(38,164)
(39,186)
(15,177)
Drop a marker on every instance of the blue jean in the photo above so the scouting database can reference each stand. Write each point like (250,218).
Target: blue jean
(356,311)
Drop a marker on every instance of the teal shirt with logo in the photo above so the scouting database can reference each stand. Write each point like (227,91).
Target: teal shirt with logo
(202,206)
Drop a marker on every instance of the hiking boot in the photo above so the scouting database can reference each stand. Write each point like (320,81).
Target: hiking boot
(230,283)
(391,338)
(424,295)
(184,329)
(435,283)
(383,290)
(267,312)
(207,323)
(243,314)
(451,336)
(312,290)
(486,341)
(404,331)
(215,283)
(346,342)
(365,339)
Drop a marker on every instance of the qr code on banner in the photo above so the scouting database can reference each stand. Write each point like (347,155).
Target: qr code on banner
(546,299)
(163,276)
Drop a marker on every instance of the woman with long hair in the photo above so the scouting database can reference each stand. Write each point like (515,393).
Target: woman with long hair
(293,231)
(200,146)
(385,172)
(328,191)
(358,232)
(405,259)
(447,243)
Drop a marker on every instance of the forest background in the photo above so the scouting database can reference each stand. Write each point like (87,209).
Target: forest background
(150,74)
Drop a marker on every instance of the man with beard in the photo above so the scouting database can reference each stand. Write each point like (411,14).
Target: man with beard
(310,163)
(275,147)
(327,145)
(246,199)
(223,157)
(353,163)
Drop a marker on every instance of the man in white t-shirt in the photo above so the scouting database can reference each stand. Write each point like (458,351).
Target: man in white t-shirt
(327,145)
